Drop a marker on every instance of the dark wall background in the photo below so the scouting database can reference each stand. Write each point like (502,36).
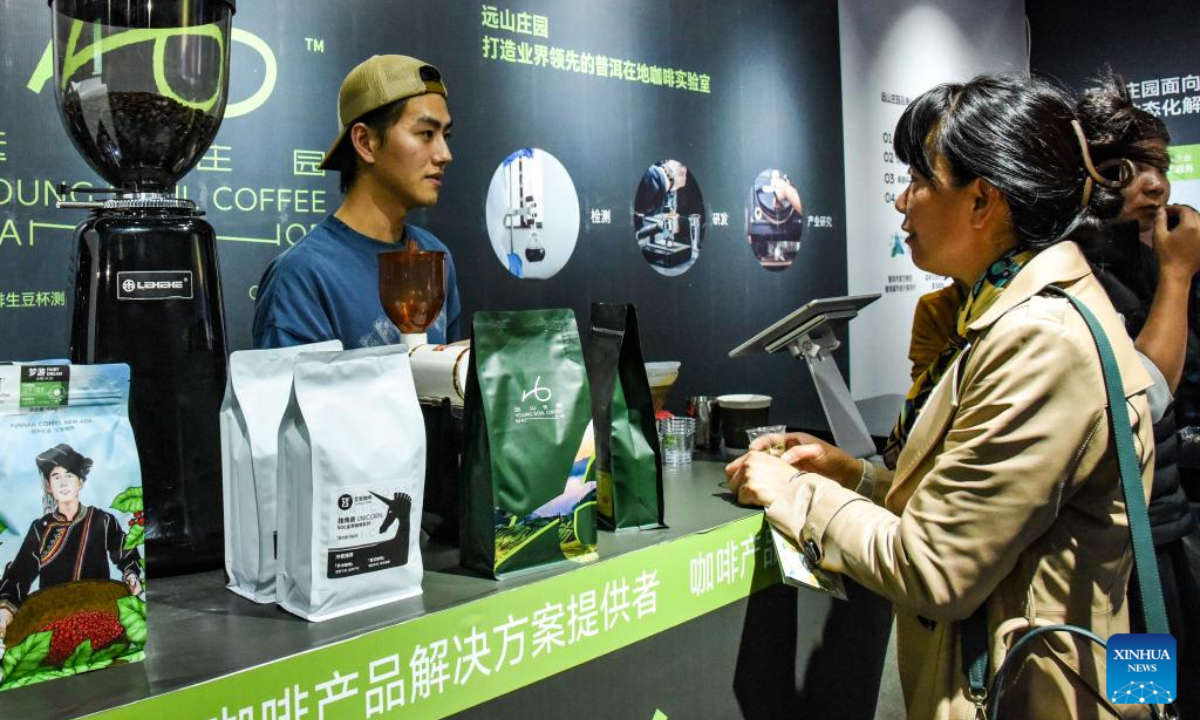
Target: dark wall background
(774,102)
(1073,40)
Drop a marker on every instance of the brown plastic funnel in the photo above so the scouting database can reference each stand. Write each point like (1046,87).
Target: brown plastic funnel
(412,286)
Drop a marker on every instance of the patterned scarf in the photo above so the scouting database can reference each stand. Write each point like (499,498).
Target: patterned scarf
(983,295)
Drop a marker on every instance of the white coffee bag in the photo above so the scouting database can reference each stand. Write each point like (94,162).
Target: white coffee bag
(256,394)
(351,480)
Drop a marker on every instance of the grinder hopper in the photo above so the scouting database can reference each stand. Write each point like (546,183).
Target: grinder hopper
(412,288)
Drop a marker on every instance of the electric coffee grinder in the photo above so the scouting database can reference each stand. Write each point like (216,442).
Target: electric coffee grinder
(141,89)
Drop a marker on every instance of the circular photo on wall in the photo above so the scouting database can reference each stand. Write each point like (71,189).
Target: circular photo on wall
(532,214)
(774,219)
(668,217)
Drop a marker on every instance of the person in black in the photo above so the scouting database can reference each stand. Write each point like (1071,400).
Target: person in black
(1146,260)
(71,542)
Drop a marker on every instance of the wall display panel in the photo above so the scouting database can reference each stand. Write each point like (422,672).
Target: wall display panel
(590,94)
(892,52)
(1152,49)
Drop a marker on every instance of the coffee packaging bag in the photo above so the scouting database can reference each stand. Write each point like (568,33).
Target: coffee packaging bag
(628,467)
(256,394)
(526,499)
(72,523)
(443,463)
(351,477)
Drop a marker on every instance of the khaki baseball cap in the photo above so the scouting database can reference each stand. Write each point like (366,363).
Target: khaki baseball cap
(377,81)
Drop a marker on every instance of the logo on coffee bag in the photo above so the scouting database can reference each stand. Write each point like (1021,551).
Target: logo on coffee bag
(535,404)
(363,520)
(539,393)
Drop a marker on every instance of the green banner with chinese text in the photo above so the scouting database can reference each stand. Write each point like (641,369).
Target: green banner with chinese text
(451,660)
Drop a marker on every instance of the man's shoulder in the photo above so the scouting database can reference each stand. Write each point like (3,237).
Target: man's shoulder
(313,249)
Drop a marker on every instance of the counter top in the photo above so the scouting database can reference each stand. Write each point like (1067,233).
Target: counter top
(199,632)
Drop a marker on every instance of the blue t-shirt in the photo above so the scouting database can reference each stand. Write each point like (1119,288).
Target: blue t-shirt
(327,287)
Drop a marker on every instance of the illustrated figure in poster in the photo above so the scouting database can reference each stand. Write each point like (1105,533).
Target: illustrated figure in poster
(72,541)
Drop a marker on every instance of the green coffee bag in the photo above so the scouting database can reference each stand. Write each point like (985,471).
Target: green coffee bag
(525,497)
(628,467)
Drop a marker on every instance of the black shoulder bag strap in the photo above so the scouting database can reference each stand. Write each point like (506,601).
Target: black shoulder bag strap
(974,631)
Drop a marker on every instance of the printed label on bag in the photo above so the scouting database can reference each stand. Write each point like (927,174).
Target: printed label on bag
(371,529)
(1141,669)
(45,385)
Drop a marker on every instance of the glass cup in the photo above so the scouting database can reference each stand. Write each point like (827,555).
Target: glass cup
(676,436)
(777,434)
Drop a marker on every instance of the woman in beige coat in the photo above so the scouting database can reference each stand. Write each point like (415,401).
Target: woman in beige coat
(1005,492)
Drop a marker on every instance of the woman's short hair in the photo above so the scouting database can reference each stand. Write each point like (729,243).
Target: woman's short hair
(1013,131)
(65,457)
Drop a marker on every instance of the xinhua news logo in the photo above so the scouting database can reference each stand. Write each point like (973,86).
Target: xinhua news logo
(1141,669)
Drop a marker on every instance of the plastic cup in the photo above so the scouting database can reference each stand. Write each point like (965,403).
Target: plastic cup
(676,437)
(777,433)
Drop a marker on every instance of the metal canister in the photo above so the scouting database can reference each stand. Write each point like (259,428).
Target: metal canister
(700,408)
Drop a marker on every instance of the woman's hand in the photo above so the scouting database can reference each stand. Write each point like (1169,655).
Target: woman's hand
(6,617)
(757,478)
(134,584)
(810,454)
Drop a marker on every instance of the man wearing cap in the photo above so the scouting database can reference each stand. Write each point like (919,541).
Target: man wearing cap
(391,153)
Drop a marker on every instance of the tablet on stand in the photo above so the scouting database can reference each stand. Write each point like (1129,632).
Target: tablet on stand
(808,333)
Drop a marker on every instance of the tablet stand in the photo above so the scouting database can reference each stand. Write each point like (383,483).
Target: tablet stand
(808,333)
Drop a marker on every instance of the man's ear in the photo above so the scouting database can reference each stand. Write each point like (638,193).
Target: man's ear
(363,141)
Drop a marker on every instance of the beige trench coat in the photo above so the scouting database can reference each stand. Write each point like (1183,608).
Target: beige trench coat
(1007,493)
